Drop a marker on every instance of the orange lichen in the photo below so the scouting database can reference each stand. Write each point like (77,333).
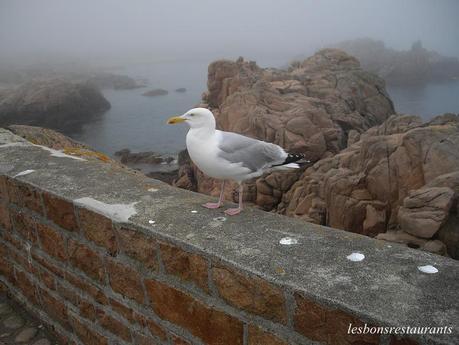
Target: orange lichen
(86,153)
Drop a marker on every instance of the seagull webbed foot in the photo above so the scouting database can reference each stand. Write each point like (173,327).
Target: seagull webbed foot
(233,211)
(212,205)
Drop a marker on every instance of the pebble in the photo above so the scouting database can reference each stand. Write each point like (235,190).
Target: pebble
(26,335)
(13,322)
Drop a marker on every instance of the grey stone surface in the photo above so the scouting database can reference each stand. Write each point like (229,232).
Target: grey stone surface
(26,334)
(13,322)
(386,288)
(26,330)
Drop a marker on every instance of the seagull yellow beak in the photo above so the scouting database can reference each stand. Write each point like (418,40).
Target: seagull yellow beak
(175,119)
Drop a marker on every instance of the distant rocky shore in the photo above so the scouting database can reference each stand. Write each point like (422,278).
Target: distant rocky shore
(417,65)
(115,81)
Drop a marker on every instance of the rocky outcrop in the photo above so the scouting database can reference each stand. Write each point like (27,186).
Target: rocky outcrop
(417,65)
(378,174)
(46,137)
(56,104)
(401,176)
(155,92)
(314,107)
(425,210)
(147,157)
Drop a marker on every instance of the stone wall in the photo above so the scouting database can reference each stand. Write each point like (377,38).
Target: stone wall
(104,255)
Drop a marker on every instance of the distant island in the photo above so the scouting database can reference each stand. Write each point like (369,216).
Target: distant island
(155,92)
(417,65)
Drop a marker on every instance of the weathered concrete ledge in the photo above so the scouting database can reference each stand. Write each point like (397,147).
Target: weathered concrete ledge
(175,271)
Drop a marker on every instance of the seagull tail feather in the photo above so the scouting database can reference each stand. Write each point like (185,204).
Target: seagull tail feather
(293,161)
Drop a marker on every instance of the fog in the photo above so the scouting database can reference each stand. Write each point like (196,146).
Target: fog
(116,30)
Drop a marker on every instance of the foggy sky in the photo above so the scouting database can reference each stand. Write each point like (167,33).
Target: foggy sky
(190,29)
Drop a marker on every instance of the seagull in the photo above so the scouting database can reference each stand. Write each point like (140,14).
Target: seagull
(230,156)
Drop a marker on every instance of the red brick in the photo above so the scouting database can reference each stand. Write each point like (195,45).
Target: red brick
(6,268)
(86,260)
(48,265)
(60,211)
(122,310)
(211,325)
(68,294)
(24,225)
(114,326)
(21,258)
(139,247)
(24,195)
(5,221)
(87,287)
(252,294)
(156,330)
(327,325)
(48,279)
(125,280)
(55,308)
(52,242)
(187,266)
(26,286)
(257,336)
(98,229)
(3,190)
(86,334)
(87,309)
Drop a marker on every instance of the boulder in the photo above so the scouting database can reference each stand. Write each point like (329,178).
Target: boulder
(425,210)
(363,186)
(55,104)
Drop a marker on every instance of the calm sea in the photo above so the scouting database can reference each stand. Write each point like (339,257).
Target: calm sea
(138,122)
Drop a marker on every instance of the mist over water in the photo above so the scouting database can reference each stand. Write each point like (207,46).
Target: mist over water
(426,100)
(138,122)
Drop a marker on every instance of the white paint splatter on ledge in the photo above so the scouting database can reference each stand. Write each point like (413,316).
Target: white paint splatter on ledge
(25,172)
(429,269)
(118,212)
(151,222)
(194,211)
(287,241)
(153,189)
(355,257)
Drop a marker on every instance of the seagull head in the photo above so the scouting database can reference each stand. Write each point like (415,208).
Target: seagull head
(196,118)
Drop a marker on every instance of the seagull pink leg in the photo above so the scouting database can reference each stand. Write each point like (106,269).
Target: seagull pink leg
(218,204)
(235,211)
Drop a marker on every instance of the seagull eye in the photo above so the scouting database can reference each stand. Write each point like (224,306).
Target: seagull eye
(191,114)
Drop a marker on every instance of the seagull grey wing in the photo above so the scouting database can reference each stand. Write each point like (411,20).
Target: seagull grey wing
(251,153)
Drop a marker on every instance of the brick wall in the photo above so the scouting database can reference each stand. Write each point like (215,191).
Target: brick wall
(93,281)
